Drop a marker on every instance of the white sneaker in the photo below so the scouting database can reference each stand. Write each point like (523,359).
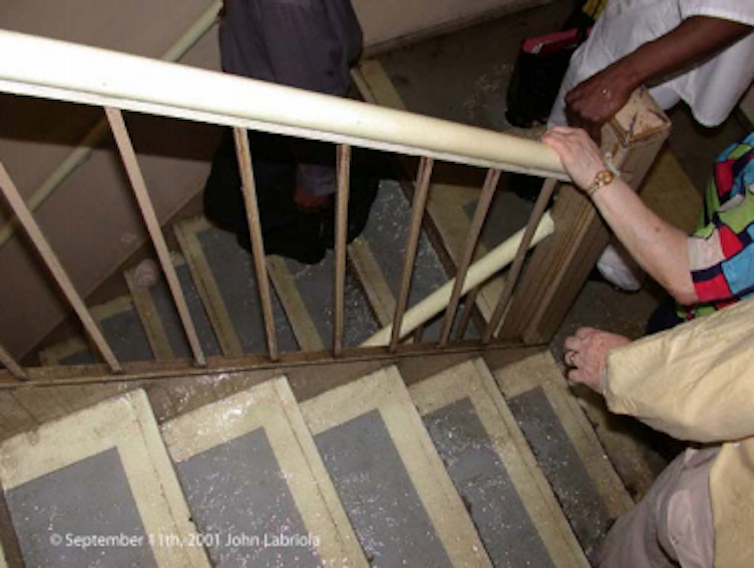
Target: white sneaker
(620,269)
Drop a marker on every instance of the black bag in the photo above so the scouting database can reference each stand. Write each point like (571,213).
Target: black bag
(541,65)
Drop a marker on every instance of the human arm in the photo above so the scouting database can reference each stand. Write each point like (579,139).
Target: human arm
(593,102)
(694,382)
(660,248)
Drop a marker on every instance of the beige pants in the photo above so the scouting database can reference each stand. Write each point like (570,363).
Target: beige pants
(672,526)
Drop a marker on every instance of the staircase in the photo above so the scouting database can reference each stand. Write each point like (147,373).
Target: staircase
(408,455)
(469,467)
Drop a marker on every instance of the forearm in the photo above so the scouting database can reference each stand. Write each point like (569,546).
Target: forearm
(591,103)
(660,248)
(689,44)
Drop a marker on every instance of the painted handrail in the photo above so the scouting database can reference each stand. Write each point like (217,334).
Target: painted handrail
(71,72)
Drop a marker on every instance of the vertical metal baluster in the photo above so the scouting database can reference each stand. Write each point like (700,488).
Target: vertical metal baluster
(485,199)
(513,274)
(341,233)
(468,311)
(127,153)
(421,192)
(243,151)
(13,367)
(25,218)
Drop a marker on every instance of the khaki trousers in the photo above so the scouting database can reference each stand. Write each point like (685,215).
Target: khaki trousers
(672,526)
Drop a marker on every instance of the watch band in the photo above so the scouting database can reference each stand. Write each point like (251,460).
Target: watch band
(603,178)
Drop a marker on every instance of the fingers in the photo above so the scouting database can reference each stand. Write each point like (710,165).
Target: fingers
(577,376)
(586,331)
(572,343)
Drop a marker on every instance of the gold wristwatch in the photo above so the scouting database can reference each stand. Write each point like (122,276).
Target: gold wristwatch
(603,178)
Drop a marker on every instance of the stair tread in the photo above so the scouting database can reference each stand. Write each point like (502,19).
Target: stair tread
(590,492)
(398,496)
(258,475)
(162,322)
(309,296)
(225,277)
(494,470)
(122,328)
(102,470)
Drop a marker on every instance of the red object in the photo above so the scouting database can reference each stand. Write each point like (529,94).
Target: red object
(552,43)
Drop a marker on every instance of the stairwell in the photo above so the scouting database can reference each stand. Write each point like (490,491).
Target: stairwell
(448,460)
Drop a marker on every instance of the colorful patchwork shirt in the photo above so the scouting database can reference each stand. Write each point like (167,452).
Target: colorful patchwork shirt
(721,252)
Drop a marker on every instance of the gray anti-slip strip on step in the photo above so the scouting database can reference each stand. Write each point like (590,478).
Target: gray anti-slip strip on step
(240,502)
(492,466)
(379,496)
(482,480)
(55,513)
(126,337)
(563,467)
(96,488)
(315,284)
(398,496)
(233,270)
(256,485)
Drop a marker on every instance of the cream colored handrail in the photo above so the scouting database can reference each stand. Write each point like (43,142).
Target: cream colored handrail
(70,72)
(82,152)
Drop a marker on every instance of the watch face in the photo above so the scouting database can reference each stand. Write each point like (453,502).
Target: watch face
(605,177)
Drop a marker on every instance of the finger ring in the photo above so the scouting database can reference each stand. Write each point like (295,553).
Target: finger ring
(569,358)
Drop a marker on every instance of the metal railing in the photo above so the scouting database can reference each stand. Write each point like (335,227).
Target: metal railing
(116,82)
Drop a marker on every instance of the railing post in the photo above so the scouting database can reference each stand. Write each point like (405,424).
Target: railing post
(12,366)
(341,236)
(559,267)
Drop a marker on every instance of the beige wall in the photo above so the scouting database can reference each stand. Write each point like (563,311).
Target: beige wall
(91,219)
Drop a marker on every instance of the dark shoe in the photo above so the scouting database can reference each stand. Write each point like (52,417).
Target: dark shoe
(299,238)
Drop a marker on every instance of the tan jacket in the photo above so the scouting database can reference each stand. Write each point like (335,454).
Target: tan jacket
(696,382)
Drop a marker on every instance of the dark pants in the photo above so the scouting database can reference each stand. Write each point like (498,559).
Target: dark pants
(307,44)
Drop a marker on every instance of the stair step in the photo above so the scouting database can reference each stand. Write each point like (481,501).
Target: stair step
(306,293)
(378,253)
(397,494)
(251,473)
(590,492)
(226,281)
(123,330)
(121,326)
(494,470)
(72,351)
(103,471)
(156,308)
